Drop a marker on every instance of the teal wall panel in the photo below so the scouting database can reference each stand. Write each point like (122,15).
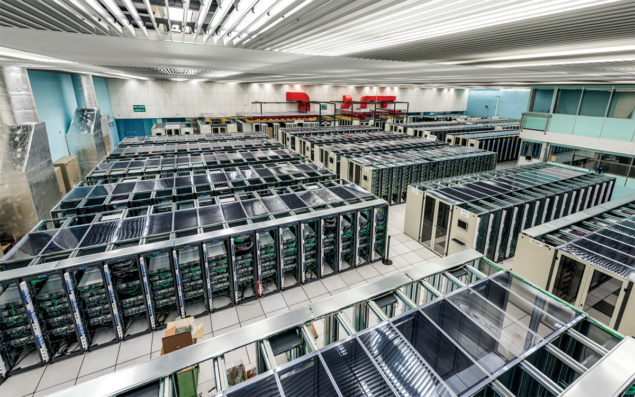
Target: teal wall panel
(618,129)
(512,103)
(55,103)
(562,124)
(535,123)
(588,126)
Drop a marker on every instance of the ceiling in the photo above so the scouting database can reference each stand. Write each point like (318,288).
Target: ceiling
(439,43)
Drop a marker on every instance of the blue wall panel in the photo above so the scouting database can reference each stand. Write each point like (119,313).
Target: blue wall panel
(55,103)
(512,103)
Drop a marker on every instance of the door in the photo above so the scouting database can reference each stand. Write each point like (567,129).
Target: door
(602,295)
(590,289)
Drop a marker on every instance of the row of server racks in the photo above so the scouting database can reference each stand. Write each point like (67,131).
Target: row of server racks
(388,176)
(505,143)
(440,133)
(287,136)
(488,212)
(309,146)
(124,255)
(61,308)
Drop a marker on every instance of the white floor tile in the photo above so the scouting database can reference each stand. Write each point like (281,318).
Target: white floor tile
(320,298)
(99,359)
(383,269)
(405,268)
(294,295)
(226,330)
(252,321)
(54,389)
(224,318)
(399,261)
(64,371)
(400,249)
(401,237)
(351,277)
(413,245)
(278,312)
(299,305)
(135,347)
(368,272)
(157,340)
(249,310)
(132,362)
(95,375)
(411,257)
(334,282)
(316,288)
(22,384)
(339,291)
(272,303)
(426,254)
(364,282)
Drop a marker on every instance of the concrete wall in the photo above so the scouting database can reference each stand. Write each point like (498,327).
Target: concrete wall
(511,103)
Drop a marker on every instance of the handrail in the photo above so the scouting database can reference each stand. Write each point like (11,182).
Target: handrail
(166,365)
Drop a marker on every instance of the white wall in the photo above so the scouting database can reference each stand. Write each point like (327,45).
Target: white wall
(164,99)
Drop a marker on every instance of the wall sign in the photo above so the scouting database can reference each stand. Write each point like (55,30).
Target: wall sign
(139,108)
(323,107)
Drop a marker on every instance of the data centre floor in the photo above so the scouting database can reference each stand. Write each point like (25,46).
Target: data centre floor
(404,252)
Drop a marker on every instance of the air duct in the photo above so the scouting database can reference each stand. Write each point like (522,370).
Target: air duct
(390,98)
(84,137)
(300,96)
(28,186)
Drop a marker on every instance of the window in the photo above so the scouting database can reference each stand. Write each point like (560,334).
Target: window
(541,100)
(560,154)
(567,101)
(615,164)
(588,159)
(594,103)
(622,104)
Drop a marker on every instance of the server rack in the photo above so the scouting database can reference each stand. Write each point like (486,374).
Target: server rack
(332,154)
(403,128)
(287,136)
(155,150)
(506,144)
(309,146)
(210,138)
(388,175)
(182,263)
(441,132)
(22,343)
(158,192)
(488,211)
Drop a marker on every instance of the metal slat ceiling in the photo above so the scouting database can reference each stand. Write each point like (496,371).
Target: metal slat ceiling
(487,42)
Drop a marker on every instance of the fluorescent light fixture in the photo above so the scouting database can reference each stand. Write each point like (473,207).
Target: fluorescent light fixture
(221,73)
(586,51)
(179,79)
(176,14)
(401,23)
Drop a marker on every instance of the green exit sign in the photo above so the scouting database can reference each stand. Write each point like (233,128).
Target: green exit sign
(139,108)
(323,107)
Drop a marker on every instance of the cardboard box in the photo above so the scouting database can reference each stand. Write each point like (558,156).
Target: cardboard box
(70,171)
(187,379)
(60,181)
(270,132)
(313,331)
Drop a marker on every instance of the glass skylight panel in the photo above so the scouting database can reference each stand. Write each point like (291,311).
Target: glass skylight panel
(404,368)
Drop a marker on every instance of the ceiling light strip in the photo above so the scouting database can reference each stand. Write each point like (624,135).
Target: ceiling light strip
(121,17)
(103,14)
(202,14)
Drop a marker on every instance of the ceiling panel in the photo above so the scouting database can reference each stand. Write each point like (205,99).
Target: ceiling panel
(355,42)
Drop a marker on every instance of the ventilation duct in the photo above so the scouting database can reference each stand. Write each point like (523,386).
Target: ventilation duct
(300,96)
